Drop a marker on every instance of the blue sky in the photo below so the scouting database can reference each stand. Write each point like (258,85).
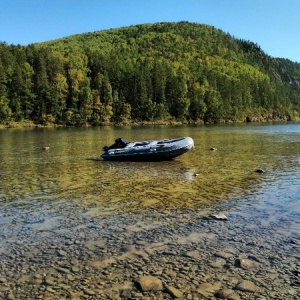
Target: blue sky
(272,24)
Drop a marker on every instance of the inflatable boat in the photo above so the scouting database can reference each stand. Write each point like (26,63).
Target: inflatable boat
(154,150)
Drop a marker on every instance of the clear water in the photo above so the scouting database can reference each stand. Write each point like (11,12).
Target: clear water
(70,173)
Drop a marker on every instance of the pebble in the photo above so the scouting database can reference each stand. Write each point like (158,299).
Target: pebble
(247,264)
(218,263)
(193,254)
(227,294)
(175,293)
(247,286)
(150,283)
(219,217)
(223,254)
(208,289)
(89,292)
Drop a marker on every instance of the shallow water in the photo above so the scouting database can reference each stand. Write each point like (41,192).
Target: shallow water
(67,171)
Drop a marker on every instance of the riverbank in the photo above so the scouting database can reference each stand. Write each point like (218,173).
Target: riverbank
(26,124)
(31,124)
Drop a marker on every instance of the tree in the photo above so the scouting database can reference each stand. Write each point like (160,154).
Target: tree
(85,103)
(121,109)
(41,86)
(15,83)
(213,104)
(177,95)
(5,111)
(197,107)
(106,99)
(61,90)
(27,98)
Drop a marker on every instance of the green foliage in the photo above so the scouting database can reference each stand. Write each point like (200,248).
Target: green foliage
(152,72)
(5,111)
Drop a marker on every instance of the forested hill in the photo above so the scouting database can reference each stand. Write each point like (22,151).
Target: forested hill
(159,72)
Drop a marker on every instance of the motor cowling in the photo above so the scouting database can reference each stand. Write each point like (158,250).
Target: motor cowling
(119,143)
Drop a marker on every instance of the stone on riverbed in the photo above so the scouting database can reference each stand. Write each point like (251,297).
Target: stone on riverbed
(193,254)
(207,289)
(219,217)
(150,283)
(218,263)
(227,294)
(223,254)
(247,286)
(175,293)
(128,248)
(247,264)
(89,292)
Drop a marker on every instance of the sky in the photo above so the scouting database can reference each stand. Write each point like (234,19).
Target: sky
(273,24)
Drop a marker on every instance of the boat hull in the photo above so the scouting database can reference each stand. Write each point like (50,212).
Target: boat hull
(151,151)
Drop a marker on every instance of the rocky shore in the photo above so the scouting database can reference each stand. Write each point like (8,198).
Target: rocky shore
(74,251)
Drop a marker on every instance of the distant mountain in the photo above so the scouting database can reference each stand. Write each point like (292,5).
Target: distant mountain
(161,72)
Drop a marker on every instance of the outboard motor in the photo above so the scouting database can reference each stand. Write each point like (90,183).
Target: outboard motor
(119,143)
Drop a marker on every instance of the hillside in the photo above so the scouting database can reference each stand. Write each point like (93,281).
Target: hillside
(160,72)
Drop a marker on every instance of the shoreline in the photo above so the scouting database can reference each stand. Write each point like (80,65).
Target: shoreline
(30,124)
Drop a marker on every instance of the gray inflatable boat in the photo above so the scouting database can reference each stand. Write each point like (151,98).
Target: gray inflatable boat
(154,150)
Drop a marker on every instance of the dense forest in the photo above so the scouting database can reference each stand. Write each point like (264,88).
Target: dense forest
(163,72)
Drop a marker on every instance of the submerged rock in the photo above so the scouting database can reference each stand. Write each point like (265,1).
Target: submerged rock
(150,283)
(226,294)
(247,264)
(175,293)
(207,289)
(219,217)
(247,286)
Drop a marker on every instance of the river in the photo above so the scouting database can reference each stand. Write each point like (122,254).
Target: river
(67,187)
